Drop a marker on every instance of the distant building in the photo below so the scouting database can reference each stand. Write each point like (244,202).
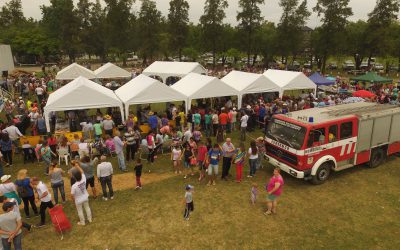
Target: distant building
(6,60)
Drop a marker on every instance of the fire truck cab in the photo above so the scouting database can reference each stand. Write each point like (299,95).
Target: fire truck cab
(311,143)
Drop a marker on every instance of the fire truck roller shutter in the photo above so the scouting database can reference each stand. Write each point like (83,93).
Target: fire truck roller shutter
(394,139)
(381,131)
(322,160)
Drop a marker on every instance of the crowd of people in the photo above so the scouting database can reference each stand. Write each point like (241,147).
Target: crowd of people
(197,142)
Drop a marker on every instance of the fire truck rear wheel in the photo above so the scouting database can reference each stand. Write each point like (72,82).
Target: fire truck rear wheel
(377,158)
(322,174)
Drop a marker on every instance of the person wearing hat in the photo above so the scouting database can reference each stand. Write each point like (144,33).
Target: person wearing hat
(108,125)
(44,196)
(188,201)
(10,227)
(8,188)
(25,191)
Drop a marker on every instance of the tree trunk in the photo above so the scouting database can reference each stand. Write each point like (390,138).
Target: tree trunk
(254,59)
(323,64)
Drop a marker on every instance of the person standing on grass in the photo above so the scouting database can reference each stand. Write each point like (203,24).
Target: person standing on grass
(243,126)
(25,191)
(57,182)
(10,227)
(138,173)
(238,159)
(4,200)
(45,199)
(80,196)
(108,125)
(213,157)
(253,158)
(228,150)
(207,123)
(201,157)
(188,157)
(119,150)
(98,129)
(45,154)
(131,147)
(88,169)
(176,157)
(104,174)
(215,123)
(274,190)
(6,149)
(188,201)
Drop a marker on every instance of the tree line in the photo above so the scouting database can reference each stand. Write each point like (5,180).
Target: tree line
(92,29)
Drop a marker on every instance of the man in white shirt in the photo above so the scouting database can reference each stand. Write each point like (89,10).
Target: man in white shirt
(45,199)
(14,134)
(243,126)
(104,174)
(39,92)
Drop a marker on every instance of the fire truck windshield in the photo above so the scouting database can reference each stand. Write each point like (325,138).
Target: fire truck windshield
(286,133)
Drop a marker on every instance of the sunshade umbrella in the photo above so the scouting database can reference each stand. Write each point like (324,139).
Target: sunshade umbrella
(363,94)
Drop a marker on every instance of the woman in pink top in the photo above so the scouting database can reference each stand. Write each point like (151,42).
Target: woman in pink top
(274,189)
(110,144)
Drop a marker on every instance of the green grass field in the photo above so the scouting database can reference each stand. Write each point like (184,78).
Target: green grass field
(355,209)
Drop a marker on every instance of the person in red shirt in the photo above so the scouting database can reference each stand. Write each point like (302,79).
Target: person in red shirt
(223,120)
(201,157)
(52,142)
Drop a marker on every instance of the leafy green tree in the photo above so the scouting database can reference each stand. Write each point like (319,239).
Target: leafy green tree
(96,40)
(190,53)
(334,15)
(149,29)
(83,12)
(379,22)
(61,23)
(211,22)
(356,37)
(11,14)
(250,20)
(118,26)
(178,20)
(395,42)
(290,27)
(267,45)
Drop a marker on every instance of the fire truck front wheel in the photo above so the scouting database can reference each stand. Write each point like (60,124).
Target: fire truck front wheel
(322,174)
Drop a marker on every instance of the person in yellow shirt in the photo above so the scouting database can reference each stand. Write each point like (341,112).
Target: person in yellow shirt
(182,115)
(28,104)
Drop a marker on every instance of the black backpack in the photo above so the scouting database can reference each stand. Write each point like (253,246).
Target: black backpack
(23,191)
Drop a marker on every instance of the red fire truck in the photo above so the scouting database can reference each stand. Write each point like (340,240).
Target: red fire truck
(311,143)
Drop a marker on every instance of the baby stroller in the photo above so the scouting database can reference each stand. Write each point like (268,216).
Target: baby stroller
(98,148)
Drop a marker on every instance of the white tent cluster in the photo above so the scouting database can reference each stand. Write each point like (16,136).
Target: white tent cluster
(82,93)
(108,70)
(164,70)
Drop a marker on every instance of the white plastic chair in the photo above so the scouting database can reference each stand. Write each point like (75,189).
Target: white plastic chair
(63,154)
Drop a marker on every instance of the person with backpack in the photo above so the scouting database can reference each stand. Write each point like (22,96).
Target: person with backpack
(151,145)
(25,191)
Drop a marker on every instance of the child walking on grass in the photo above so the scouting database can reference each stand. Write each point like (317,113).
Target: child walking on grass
(188,201)
(176,157)
(238,159)
(138,172)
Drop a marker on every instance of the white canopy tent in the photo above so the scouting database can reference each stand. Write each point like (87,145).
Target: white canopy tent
(289,80)
(79,94)
(74,71)
(164,70)
(143,89)
(110,70)
(249,83)
(6,58)
(195,86)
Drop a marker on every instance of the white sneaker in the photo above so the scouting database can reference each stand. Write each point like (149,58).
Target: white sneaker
(80,223)
(105,199)
(90,220)
(112,197)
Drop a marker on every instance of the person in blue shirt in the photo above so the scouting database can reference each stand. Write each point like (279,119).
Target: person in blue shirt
(261,115)
(214,155)
(153,121)
(25,191)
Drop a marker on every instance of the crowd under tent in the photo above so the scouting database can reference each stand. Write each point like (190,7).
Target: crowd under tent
(111,71)
(249,83)
(371,77)
(171,72)
(81,94)
(320,80)
(74,71)
(195,86)
(146,90)
(290,81)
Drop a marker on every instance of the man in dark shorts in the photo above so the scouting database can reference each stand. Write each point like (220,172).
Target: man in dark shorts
(88,168)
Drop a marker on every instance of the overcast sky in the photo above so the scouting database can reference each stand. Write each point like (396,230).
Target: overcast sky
(271,10)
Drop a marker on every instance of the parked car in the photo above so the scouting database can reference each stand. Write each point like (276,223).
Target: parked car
(349,65)
(379,66)
(394,68)
(364,66)
(332,66)
(307,65)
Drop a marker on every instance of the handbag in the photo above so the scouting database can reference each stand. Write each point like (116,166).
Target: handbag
(193,161)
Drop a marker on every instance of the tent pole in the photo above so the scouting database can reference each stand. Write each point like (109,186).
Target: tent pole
(47,119)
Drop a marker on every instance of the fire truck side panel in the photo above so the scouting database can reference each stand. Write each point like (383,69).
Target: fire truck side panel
(394,148)
(381,131)
(395,131)
(364,141)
